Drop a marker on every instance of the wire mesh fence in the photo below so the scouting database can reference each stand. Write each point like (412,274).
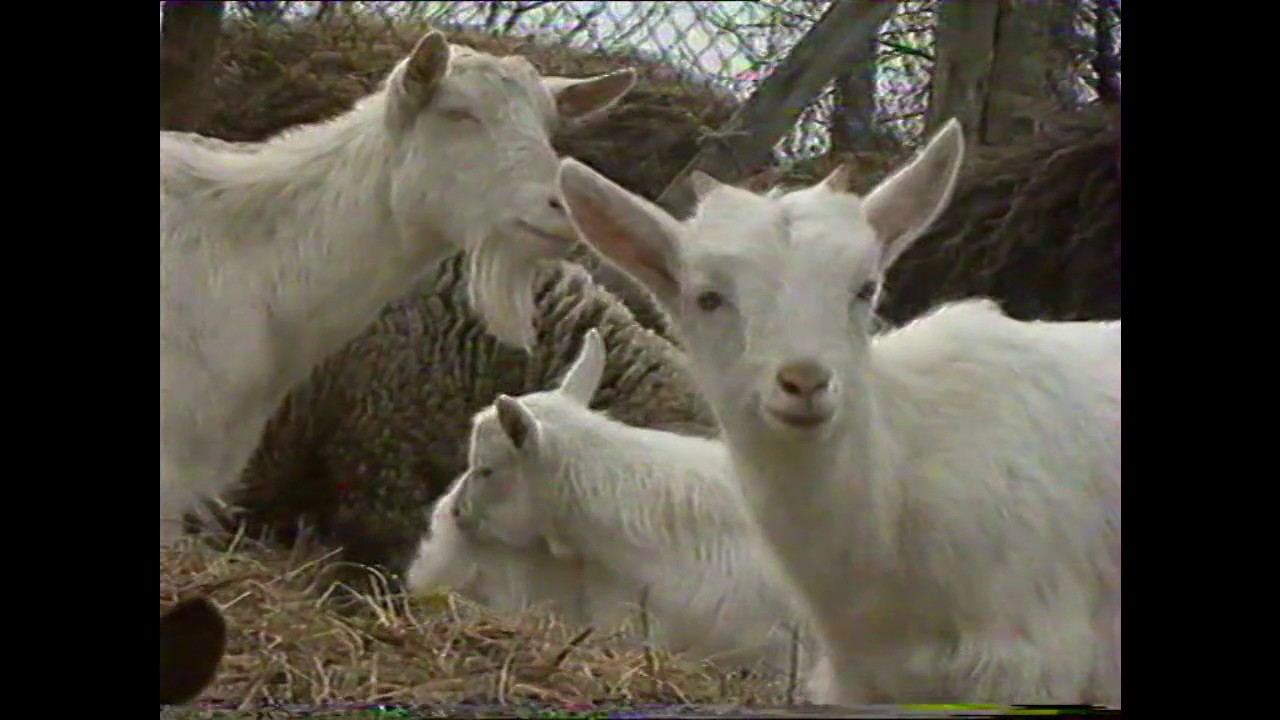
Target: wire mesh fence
(732,46)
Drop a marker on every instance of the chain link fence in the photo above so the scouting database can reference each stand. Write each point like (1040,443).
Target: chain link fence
(732,46)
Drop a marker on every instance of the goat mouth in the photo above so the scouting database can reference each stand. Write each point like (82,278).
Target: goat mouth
(800,421)
(538,232)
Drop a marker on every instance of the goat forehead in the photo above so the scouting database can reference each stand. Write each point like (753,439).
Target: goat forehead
(487,78)
(798,241)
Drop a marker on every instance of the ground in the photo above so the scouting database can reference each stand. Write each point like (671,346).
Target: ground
(295,643)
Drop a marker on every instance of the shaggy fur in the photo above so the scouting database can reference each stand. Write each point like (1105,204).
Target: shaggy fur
(946,497)
(641,507)
(379,431)
(272,258)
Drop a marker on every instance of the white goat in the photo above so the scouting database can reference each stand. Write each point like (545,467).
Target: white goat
(630,508)
(272,258)
(462,553)
(945,496)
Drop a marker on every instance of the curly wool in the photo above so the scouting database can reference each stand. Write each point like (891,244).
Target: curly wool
(379,430)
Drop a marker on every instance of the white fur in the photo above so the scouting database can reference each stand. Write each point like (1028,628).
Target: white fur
(272,258)
(630,508)
(951,515)
(510,579)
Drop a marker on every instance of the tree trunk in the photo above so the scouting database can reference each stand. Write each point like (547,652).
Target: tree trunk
(189,36)
(1031,51)
(965,45)
(853,117)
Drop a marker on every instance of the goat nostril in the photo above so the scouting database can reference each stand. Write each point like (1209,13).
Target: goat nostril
(555,204)
(803,379)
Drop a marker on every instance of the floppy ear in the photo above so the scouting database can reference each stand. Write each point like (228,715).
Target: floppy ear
(583,377)
(520,426)
(577,98)
(640,238)
(903,206)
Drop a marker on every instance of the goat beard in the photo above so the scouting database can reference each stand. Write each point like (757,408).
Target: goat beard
(501,275)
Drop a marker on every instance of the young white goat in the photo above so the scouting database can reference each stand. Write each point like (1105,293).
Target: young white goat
(945,496)
(463,554)
(630,508)
(272,258)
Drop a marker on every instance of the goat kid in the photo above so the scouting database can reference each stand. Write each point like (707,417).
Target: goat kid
(945,496)
(633,511)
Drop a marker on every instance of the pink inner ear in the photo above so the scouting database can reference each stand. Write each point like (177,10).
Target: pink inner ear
(620,244)
(645,257)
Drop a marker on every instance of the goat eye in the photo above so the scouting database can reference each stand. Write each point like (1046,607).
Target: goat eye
(867,291)
(459,115)
(709,301)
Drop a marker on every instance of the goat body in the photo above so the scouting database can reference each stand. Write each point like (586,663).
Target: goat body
(272,257)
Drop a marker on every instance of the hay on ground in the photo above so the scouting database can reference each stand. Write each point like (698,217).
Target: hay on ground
(288,644)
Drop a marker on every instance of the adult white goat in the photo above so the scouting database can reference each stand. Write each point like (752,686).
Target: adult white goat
(631,508)
(945,496)
(272,258)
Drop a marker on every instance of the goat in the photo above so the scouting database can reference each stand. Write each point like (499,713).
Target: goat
(456,554)
(945,496)
(640,510)
(272,258)
(364,444)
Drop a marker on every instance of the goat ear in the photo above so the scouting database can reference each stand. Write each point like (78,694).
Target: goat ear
(417,79)
(637,236)
(583,377)
(517,422)
(903,206)
(838,180)
(703,184)
(193,636)
(426,67)
(579,97)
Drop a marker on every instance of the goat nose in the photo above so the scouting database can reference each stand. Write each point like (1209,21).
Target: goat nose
(803,379)
(555,204)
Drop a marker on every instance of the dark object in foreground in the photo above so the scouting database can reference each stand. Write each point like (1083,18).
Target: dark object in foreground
(193,636)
